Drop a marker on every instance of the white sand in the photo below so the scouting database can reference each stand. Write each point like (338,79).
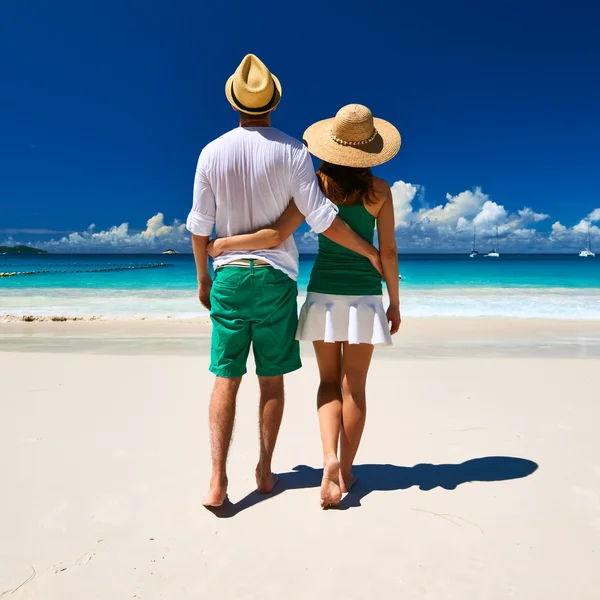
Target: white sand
(104,458)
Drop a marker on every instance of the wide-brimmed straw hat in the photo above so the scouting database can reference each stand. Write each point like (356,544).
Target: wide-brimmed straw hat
(353,138)
(253,89)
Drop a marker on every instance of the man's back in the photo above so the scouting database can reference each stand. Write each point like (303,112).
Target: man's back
(245,180)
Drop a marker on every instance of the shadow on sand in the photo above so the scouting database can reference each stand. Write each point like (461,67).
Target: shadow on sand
(385,478)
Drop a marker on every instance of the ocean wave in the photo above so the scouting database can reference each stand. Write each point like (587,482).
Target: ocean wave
(525,303)
(87,304)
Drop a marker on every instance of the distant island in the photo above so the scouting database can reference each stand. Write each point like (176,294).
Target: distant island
(170,251)
(21,250)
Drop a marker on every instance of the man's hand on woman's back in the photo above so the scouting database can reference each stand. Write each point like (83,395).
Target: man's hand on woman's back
(375,260)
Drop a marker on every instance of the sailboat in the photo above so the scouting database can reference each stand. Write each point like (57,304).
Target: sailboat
(495,253)
(474,252)
(587,252)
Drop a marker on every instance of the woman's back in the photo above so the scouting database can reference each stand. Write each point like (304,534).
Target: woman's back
(338,270)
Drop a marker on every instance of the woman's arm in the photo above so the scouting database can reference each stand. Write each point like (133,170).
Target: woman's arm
(268,237)
(290,220)
(389,255)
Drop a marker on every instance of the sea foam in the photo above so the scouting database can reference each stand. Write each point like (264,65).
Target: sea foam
(547,303)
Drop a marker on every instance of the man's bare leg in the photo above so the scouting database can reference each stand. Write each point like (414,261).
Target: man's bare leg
(221,416)
(270,415)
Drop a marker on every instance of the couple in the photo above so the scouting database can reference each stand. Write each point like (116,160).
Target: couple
(257,185)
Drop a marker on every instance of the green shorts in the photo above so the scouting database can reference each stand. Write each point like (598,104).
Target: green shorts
(258,306)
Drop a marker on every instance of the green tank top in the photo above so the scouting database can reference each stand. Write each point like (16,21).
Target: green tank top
(338,270)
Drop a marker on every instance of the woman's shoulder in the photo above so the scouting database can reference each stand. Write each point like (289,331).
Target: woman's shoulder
(381,193)
(381,187)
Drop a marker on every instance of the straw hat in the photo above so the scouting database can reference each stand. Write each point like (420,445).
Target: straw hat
(253,89)
(353,138)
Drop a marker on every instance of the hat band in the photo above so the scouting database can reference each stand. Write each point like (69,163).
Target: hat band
(338,140)
(261,109)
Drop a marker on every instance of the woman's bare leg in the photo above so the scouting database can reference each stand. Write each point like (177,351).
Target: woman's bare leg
(356,359)
(329,407)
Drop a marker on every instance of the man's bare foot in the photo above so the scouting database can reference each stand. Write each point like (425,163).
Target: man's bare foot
(331,494)
(346,482)
(216,495)
(265,480)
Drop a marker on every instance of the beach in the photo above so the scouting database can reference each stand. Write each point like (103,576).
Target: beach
(159,215)
(478,475)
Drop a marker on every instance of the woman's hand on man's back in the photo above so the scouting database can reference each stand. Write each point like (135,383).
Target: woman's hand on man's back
(214,248)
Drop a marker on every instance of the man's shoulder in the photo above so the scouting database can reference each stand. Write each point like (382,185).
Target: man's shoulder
(284,138)
(219,142)
(248,138)
(294,149)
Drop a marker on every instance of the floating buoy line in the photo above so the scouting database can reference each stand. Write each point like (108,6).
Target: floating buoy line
(103,270)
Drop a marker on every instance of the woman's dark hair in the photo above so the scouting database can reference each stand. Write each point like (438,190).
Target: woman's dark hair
(346,185)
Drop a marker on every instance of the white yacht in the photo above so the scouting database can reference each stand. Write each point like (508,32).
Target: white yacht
(587,252)
(495,253)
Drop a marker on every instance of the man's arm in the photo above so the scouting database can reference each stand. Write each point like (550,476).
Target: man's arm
(199,243)
(200,223)
(340,233)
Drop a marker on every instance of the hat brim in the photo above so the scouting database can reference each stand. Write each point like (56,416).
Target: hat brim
(235,104)
(384,146)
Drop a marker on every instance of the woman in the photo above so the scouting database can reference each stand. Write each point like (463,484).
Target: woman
(343,314)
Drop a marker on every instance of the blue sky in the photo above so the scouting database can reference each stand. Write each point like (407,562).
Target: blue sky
(104,107)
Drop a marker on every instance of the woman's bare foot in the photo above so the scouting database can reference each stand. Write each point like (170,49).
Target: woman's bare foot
(331,494)
(216,495)
(265,480)
(346,482)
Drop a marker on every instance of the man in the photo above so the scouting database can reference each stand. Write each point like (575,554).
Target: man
(244,181)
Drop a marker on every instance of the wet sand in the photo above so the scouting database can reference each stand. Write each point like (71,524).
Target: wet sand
(419,338)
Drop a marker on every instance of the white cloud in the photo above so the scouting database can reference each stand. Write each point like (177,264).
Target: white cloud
(447,227)
(594,216)
(467,205)
(572,239)
(586,224)
(528,216)
(156,227)
(491,215)
(307,242)
(402,195)
(155,238)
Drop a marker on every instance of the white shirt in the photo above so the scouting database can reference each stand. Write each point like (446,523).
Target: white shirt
(245,180)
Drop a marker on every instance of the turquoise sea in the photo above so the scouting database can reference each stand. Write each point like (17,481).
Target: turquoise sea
(133,286)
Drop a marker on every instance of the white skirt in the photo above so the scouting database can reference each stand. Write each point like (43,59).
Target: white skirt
(337,318)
